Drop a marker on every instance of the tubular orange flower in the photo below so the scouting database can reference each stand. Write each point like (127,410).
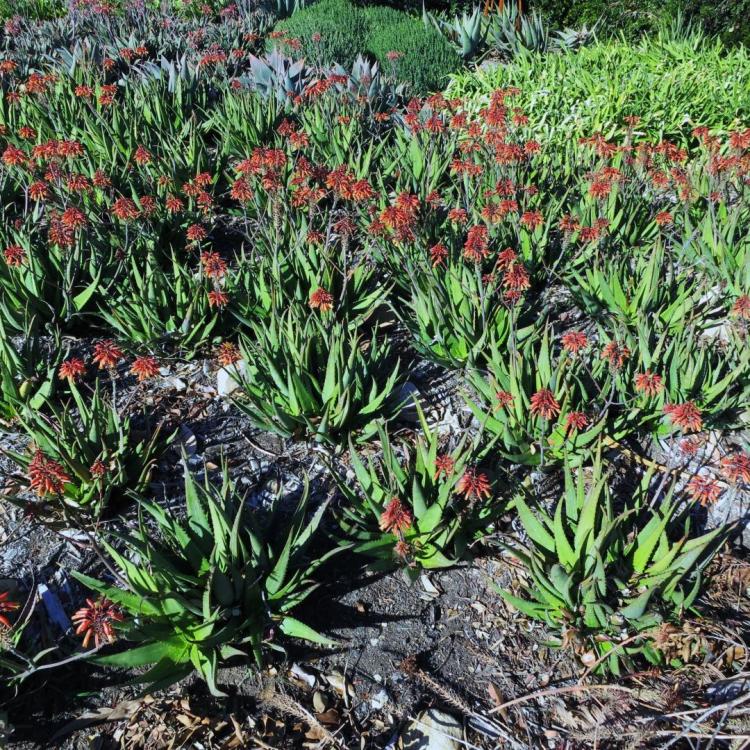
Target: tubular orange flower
(506,258)
(444,465)
(704,490)
(736,468)
(241,190)
(686,416)
(438,254)
(576,420)
(504,399)
(217,298)
(689,446)
(213,265)
(395,518)
(72,369)
(616,354)
(15,256)
(649,383)
(321,300)
(457,216)
(402,549)
(741,307)
(173,204)
(98,469)
(544,404)
(144,368)
(46,477)
(125,210)
(95,620)
(473,485)
(195,232)
(6,606)
(227,353)
(532,219)
(38,191)
(142,155)
(574,341)
(73,218)
(13,157)
(476,246)
(107,354)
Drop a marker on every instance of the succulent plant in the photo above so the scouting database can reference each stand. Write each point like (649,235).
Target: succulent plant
(512,33)
(467,32)
(278,76)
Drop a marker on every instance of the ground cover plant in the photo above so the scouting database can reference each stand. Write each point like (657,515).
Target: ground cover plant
(337,404)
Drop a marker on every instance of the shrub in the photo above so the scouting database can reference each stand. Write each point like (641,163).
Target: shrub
(630,17)
(426,57)
(37,10)
(671,86)
(725,18)
(380,16)
(342,30)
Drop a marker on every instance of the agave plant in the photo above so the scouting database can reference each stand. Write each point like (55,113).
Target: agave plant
(512,33)
(605,579)
(218,584)
(277,76)
(467,31)
(569,40)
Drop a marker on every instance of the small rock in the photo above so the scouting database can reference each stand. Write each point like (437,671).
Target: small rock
(408,395)
(227,377)
(174,382)
(302,675)
(379,700)
(433,730)
(337,682)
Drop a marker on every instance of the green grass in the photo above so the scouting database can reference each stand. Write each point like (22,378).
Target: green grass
(671,85)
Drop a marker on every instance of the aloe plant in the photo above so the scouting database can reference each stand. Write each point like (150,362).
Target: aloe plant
(91,451)
(306,378)
(218,584)
(433,524)
(605,579)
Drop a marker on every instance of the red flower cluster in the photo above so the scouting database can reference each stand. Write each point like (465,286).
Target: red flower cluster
(96,620)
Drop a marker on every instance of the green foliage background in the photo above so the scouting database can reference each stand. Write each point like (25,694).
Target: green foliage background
(347,30)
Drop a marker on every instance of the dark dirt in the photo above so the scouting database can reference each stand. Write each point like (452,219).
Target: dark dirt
(446,640)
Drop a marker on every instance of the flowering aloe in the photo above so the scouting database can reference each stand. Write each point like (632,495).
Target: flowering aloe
(163,308)
(218,584)
(405,508)
(84,452)
(536,405)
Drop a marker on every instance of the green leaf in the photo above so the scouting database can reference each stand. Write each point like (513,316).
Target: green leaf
(296,629)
